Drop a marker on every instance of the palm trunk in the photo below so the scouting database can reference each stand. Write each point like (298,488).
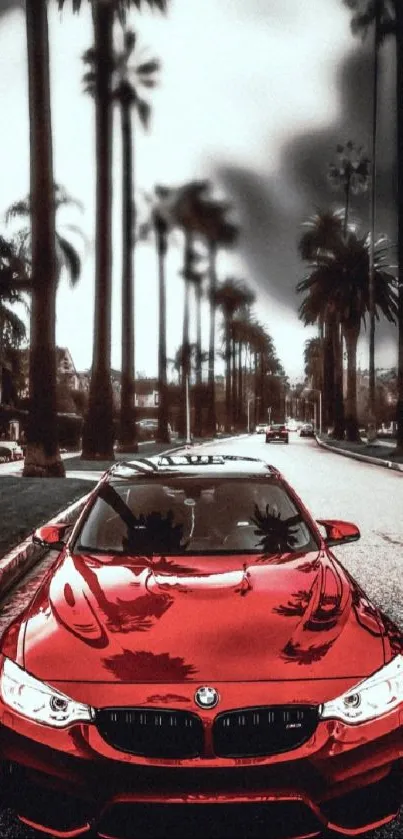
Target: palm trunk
(198,393)
(338,402)
(42,454)
(234,379)
(2,357)
(211,408)
(185,335)
(351,338)
(161,234)
(257,398)
(399,106)
(240,385)
(371,278)
(328,376)
(127,429)
(98,431)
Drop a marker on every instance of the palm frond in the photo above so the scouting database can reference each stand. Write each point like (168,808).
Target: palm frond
(144,112)
(69,258)
(18,209)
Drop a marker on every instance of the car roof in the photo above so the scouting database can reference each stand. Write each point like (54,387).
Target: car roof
(187,464)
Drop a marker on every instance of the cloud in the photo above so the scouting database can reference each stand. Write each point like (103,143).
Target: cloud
(271,208)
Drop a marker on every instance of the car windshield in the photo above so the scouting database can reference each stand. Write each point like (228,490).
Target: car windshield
(186,515)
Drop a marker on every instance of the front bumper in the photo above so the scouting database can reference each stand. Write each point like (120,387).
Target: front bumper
(330,782)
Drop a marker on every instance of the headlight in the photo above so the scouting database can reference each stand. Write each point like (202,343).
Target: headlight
(38,701)
(375,696)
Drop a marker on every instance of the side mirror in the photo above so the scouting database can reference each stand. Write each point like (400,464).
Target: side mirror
(339,532)
(51,536)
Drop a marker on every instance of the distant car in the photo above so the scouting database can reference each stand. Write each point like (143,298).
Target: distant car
(276,432)
(10,450)
(307,430)
(197,645)
(260,428)
(291,425)
(148,427)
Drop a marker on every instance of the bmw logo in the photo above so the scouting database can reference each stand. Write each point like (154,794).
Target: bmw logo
(206,697)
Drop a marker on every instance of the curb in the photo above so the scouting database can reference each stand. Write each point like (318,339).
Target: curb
(375,461)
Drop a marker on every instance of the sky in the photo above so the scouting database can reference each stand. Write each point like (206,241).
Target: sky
(254,95)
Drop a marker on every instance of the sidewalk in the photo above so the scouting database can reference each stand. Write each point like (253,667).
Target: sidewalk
(379,453)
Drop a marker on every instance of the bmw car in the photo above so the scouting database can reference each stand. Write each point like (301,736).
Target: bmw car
(198,662)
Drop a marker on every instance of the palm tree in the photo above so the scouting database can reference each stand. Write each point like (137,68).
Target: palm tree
(98,431)
(313,364)
(67,255)
(162,223)
(14,280)
(129,78)
(320,233)
(186,204)
(218,232)
(338,281)
(143,74)
(42,455)
(196,278)
(231,296)
(350,172)
(241,336)
(387,17)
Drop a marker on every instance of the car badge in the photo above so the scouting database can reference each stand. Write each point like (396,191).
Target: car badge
(206,697)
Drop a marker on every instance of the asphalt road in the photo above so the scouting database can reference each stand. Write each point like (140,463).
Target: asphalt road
(331,487)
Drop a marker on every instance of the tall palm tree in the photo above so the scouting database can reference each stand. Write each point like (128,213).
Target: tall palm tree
(196,278)
(313,366)
(319,234)
(350,172)
(219,232)
(241,336)
(129,78)
(339,281)
(67,255)
(42,454)
(231,296)
(162,220)
(387,16)
(186,212)
(98,431)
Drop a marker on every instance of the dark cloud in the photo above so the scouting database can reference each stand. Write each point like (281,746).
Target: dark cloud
(272,209)
(8,6)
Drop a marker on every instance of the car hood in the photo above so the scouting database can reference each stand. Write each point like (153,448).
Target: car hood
(182,619)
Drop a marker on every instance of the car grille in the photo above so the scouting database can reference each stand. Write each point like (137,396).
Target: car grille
(257,732)
(152,732)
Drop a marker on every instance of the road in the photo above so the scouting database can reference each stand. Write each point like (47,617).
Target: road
(331,487)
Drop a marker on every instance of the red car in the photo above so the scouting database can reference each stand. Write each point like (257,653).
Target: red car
(198,662)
